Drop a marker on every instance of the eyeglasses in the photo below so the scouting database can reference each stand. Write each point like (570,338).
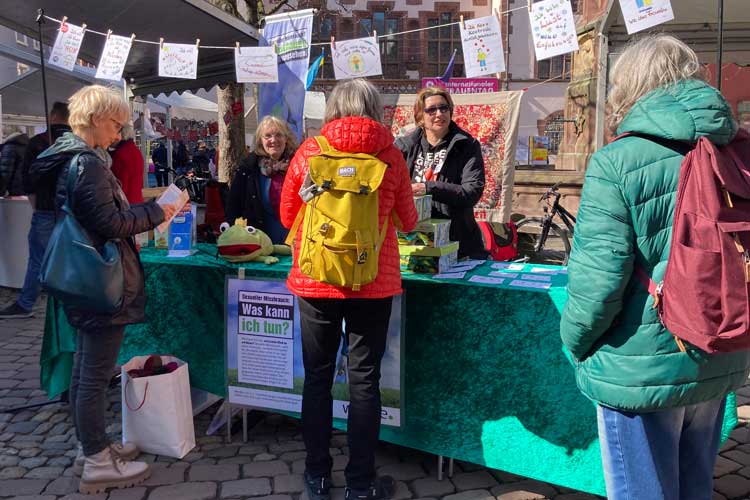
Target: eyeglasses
(268,137)
(443,108)
(120,126)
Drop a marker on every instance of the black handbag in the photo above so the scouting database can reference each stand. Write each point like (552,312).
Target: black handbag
(73,270)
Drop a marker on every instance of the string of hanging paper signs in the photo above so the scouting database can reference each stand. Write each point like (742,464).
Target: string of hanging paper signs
(552,28)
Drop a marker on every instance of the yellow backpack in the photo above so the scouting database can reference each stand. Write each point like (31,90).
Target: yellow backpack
(340,240)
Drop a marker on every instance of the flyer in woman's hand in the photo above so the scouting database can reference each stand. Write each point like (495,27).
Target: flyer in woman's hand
(172,196)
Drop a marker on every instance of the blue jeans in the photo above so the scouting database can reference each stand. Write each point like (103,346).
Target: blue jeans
(42,224)
(663,455)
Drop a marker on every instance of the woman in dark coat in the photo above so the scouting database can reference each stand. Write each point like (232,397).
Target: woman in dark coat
(256,189)
(446,162)
(97,116)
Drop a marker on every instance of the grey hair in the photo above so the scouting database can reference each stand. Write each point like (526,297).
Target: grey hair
(649,63)
(356,97)
(128,132)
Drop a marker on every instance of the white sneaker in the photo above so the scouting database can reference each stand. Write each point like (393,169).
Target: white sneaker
(106,470)
(126,451)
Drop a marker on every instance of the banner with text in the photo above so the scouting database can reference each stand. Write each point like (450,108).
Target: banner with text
(643,14)
(264,352)
(464,85)
(553,28)
(291,34)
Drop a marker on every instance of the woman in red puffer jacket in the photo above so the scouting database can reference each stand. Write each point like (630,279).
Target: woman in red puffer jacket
(353,124)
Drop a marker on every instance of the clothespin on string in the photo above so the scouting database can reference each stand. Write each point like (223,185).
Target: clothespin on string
(132,38)
(62,21)
(275,48)
(530,2)
(197,43)
(83,27)
(461,20)
(161,43)
(109,34)
(237,46)
(333,44)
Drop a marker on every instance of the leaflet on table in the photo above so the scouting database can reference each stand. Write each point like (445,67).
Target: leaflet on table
(530,284)
(501,274)
(509,266)
(487,279)
(537,277)
(450,276)
(264,352)
(172,196)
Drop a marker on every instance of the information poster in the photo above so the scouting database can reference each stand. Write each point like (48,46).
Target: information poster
(356,58)
(643,14)
(67,44)
(264,352)
(553,28)
(482,45)
(114,56)
(178,60)
(256,64)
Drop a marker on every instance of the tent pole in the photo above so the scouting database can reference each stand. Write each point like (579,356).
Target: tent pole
(720,50)
(39,22)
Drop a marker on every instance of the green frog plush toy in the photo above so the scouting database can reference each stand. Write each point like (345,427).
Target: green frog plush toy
(243,243)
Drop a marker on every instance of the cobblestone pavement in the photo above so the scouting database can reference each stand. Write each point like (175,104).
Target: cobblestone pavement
(37,448)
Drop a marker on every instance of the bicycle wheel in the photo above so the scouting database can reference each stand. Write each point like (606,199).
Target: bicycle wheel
(555,249)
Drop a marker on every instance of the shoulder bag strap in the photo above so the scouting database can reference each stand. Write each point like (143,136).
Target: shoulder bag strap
(73,171)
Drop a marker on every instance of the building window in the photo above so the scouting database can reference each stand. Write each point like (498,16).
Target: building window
(21,39)
(322,31)
(554,68)
(441,43)
(389,54)
(21,68)
(35,43)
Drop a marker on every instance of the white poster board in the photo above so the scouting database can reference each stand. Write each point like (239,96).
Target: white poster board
(67,44)
(256,64)
(114,57)
(643,14)
(553,28)
(482,44)
(356,58)
(178,60)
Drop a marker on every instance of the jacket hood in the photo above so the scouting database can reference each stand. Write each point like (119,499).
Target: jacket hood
(684,112)
(357,134)
(63,150)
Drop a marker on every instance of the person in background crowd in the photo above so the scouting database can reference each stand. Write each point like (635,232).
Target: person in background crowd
(11,164)
(353,123)
(159,157)
(127,165)
(181,158)
(255,193)
(97,116)
(660,410)
(201,160)
(41,192)
(446,162)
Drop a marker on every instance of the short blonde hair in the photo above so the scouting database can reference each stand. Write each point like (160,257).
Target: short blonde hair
(99,101)
(128,131)
(425,94)
(356,97)
(652,62)
(267,122)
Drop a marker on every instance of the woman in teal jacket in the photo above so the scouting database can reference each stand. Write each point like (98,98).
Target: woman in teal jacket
(660,410)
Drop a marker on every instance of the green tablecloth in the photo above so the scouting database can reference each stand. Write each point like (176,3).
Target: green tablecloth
(485,378)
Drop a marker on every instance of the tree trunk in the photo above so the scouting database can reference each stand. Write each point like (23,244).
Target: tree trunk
(231,135)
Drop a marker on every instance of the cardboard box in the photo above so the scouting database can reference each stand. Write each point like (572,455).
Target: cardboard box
(431,233)
(424,207)
(431,260)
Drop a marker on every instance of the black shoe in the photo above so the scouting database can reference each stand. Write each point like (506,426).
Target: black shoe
(381,489)
(318,488)
(15,311)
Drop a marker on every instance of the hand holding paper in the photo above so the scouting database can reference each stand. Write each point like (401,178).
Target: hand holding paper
(171,201)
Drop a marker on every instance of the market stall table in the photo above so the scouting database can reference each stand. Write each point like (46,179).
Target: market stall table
(485,377)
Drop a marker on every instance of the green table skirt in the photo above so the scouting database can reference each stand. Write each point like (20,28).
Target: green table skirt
(485,378)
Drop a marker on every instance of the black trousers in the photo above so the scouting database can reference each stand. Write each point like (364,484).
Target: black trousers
(366,326)
(162,176)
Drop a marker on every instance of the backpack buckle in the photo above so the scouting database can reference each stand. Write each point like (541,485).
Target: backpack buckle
(362,257)
(324,228)
(364,189)
(326,184)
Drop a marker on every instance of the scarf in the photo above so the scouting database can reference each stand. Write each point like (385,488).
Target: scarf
(275,170)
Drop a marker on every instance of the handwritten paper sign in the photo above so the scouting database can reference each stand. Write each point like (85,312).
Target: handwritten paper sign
(178,60)
(487,280)
(356,58)
(256,64)
(67,44)
(643,14)
(553,28)
(115,55)
(482,45)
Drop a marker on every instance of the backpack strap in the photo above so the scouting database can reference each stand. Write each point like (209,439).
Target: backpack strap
(679,147)
(297,221)
(323,144)
(655,291)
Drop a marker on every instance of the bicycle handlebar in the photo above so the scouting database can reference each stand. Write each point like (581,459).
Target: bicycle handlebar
(552,190)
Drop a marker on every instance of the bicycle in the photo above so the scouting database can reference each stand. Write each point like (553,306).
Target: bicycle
(541,240)
(195,186)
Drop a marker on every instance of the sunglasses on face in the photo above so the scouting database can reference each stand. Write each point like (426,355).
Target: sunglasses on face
(443,108)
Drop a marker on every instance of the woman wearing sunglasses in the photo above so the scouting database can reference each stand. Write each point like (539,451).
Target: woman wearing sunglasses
(446,162)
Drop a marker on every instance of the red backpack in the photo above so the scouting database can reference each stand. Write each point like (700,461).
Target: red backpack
(704,298)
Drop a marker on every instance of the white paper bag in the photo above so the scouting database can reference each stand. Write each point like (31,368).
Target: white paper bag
(157,414)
